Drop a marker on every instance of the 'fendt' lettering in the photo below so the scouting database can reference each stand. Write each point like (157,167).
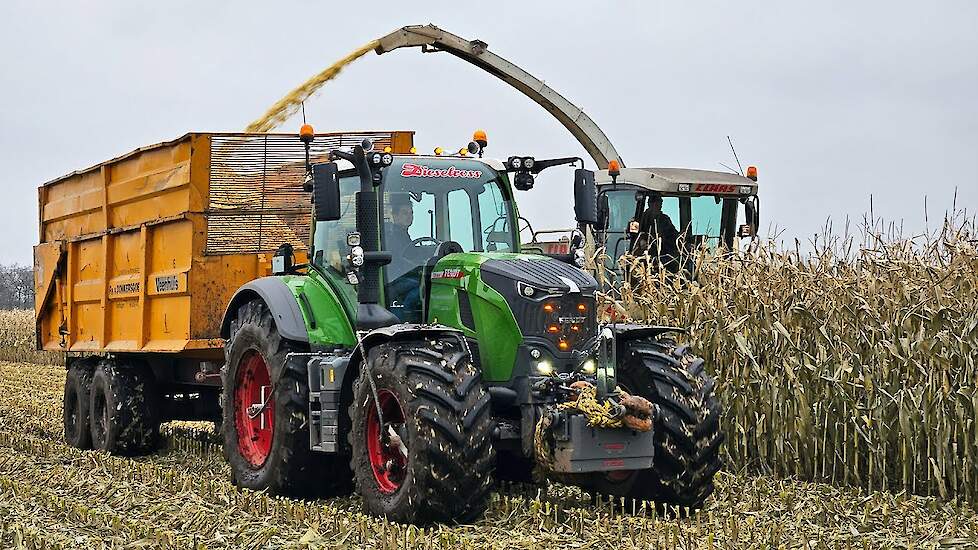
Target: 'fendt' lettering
(421,171)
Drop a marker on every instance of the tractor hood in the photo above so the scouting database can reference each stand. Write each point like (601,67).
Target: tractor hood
(511,303)
(540,273)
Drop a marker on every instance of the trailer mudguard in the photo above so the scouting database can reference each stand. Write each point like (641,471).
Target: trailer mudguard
(280,300)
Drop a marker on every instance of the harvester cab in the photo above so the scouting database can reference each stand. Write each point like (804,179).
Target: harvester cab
(707,209)
(434,354)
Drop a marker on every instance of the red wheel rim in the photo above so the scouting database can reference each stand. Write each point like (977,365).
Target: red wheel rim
(386,458)
(254,409)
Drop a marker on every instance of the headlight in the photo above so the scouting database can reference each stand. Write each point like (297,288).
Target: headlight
(356,256)
(684,188)
(589,367)
(516,162)
(546,368)
(387,159)
(375,158)
(528,163)
(579,258)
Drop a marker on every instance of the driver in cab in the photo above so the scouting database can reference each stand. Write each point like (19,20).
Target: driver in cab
(399,242)
(658,235)
(401,286)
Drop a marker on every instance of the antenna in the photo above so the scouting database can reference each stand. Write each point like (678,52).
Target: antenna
(730,141)
(727,167)
(303,105)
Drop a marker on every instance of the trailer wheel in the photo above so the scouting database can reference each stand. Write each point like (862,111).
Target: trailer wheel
(265,424)
(77,404)
(125,409)
(431,458)
(687,427)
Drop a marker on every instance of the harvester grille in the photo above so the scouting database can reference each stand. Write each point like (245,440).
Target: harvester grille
(256,199)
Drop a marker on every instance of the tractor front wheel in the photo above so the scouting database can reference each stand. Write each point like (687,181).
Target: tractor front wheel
(422,449)
(686,427)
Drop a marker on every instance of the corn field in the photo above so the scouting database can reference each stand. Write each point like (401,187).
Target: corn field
(853,364)
(55,496)
(17,339)
(848,379)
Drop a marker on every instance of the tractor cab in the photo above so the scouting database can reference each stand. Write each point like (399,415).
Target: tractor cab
(706,209)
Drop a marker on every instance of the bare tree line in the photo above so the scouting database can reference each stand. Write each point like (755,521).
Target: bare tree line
(16,287)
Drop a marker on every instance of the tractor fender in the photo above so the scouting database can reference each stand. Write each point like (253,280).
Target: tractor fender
(401,331)
(280,301)
(627,332)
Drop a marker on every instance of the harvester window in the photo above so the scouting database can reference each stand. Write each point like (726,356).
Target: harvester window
(705,216)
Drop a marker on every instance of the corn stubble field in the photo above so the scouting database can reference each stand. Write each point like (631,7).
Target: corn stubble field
(849,384)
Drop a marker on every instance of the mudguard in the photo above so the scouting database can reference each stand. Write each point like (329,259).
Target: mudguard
(626,332)
(399,332)
(279,299)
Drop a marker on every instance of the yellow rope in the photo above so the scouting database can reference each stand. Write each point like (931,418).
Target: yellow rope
(288,105)
(633,413)
(599,415)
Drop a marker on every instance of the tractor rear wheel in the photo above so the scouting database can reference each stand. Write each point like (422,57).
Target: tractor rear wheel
(265,425)
(77,404)
(686,427)
(428,455)
(125,409)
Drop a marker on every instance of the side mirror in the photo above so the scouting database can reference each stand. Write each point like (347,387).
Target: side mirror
(585,197)
(326,191)
(604,211)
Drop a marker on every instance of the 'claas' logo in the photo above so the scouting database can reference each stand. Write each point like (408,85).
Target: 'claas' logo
(420,171)
(716,188)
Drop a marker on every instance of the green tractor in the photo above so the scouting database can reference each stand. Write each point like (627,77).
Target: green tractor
(419,355)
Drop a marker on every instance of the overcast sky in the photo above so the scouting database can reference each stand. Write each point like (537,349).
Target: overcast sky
(833,101)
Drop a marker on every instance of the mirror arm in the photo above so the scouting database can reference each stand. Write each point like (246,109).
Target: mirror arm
(542,165)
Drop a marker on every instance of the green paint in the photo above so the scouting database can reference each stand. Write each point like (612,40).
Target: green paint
(497,332)
(331,310)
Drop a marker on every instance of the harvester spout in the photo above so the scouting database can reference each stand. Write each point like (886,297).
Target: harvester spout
(476,52)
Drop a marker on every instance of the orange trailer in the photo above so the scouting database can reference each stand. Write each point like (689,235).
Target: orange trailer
(140,255)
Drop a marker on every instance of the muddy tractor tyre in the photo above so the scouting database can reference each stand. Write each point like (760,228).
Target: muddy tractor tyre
(125,409)
(686,427)
(77,404)
(435,461)
(265,424)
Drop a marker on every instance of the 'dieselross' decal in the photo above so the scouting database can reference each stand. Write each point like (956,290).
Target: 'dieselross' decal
(421,171)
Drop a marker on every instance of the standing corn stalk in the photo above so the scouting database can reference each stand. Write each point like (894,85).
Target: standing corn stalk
(850,367)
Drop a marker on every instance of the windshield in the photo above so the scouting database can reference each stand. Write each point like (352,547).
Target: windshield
(682,222)
(427,202)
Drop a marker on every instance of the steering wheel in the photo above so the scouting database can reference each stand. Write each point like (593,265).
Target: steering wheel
(420,240)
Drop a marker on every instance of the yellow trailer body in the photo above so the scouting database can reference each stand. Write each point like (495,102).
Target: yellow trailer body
(143,252)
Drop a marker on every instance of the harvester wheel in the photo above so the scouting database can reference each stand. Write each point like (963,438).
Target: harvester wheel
(77,403)
(125,409)
(428,456)
(265,425)
(687,427)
